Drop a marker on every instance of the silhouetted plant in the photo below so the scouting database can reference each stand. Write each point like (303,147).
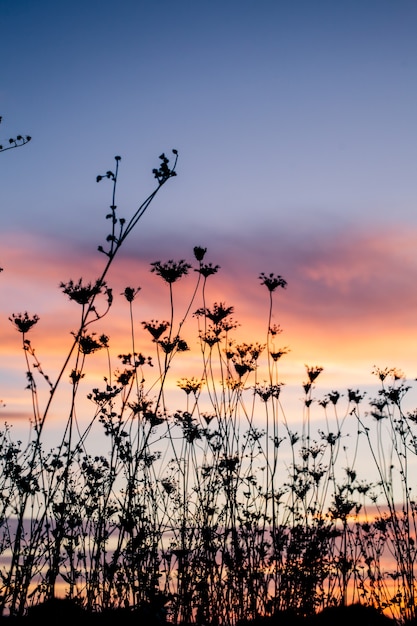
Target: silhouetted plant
(210,502)
(14,142)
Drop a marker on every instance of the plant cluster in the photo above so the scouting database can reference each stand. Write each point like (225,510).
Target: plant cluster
(213,508)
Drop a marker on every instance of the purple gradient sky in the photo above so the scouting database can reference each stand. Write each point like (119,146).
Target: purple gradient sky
(295,122)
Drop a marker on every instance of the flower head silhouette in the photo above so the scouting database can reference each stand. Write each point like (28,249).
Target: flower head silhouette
(199,253)
(23,322)
(170,271)
(130,293)
(271,281)
(155,328)
(82,293)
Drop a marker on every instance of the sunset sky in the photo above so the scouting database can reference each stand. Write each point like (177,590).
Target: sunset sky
(295,122)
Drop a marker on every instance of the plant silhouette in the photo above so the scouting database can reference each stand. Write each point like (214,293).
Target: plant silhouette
(14,142)
(208,505)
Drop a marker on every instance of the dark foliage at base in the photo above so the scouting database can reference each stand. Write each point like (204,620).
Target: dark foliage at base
(353,615)
(59,612)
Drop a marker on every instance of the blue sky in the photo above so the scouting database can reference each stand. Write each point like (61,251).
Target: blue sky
(295,122)
(285,113)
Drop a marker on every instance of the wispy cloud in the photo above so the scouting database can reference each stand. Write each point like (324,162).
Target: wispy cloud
(349,301)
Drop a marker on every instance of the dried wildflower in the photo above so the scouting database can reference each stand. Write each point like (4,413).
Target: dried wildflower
(243,368)
(306,387)
(166,345)
(397,374)
(271,281)
(378,405)
(381,373)
(76,376)
(351,474)
(142,406)
(317,473)
(412,416)
(190,385)
(267,391)
(275,330)
(182,345)
(313,372)
(244,357)
(208,269)
(199,253)
(108,174)
(217,314)
(254,435)
(210,338)
(230,464)
(124,377)
(279,353)
(23,322)
(82,294)
(294,437)
(170,271)
(168,486)
(88,344)
(155,328)
(130,293)
(102,397)
(104,340)
(229,351)
(330,438)
(395,394)
(164,172)
(135,359)
(154,419)
(333,397)
(233,384)
(190,428)
(15,142)
(355,396)
(225,326)
(315,450)
(176,344)
(253,350)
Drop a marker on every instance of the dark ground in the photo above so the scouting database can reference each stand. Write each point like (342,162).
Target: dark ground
(64,612)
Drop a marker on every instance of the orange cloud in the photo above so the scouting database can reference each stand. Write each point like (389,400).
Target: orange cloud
(349,303)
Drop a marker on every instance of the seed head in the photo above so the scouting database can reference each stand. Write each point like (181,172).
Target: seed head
(23,322)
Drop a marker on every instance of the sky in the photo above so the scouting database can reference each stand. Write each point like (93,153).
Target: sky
(296,130)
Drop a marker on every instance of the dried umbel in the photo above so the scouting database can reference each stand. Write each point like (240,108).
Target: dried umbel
(130,293)
(272,282)
(155,328)
(164,172)
(171,271)
(190,385)
(23,322)
(217,314)
(83,293)
(199,253)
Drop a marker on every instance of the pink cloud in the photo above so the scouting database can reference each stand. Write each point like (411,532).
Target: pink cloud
(349,304)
